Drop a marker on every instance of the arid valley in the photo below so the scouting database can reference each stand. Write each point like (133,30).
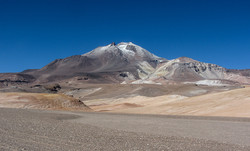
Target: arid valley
(122,97)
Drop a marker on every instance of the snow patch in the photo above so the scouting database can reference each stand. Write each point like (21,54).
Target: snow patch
(124,82)
(98,51)
(126,51)
(211,83)
(139,50)
(145,82)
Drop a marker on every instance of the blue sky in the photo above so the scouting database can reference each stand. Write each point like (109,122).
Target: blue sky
(34,33)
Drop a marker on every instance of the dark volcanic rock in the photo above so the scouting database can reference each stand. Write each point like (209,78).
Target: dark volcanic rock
(53,87)
(12,79)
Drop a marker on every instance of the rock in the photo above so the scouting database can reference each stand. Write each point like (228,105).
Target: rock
(53,87)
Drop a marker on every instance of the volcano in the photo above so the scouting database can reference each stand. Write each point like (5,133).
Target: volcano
(128,63)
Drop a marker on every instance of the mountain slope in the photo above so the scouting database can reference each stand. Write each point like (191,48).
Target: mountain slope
(119,61)
(185,69)
(128,63)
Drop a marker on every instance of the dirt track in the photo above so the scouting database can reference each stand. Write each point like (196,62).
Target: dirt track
(25,129)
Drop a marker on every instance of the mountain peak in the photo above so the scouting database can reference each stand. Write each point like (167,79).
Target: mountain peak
(113,44)
(126,43)
(126,49)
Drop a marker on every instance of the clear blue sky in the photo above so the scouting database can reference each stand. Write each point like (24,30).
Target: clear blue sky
(35,32)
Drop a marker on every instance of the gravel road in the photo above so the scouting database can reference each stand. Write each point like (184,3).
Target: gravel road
(26,129)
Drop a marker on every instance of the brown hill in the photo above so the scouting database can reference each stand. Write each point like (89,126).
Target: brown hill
(41,101)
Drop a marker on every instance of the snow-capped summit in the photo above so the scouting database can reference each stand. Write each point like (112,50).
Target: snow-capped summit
(136,50)
(127,50)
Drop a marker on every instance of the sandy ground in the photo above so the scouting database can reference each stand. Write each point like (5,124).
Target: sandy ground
(233,103)
(139,99)
(40,101)
(26,129)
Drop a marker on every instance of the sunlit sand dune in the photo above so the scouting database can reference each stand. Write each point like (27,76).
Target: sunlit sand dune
(234,103)
(40,101)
